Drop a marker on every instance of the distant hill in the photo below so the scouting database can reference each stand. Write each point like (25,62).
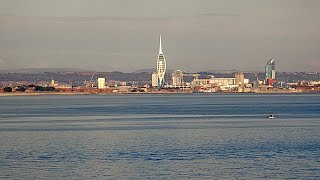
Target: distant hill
(77,78)
(150,71)
(236,70)
(223,71)
(144,70)
(42,70)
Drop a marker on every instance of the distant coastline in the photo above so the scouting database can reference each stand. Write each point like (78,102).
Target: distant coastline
(88,93)
(40,93)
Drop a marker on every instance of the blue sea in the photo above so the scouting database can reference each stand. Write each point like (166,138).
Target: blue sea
(168,136)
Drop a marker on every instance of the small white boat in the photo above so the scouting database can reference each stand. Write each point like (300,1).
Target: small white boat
(272,117)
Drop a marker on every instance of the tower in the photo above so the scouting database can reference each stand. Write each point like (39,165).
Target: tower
(270,71)
(239,78)
(101,83)
(154,79)
(177,78)
(161,66)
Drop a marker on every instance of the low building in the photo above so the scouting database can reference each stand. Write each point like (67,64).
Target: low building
(213,82)
(222,81)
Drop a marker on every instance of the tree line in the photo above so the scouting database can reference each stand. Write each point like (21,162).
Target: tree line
(23,88)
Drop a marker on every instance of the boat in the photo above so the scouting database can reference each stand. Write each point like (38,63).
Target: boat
(272,117)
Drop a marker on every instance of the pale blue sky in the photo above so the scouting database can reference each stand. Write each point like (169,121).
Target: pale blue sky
(198,35)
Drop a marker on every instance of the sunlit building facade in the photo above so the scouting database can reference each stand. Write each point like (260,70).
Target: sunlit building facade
(154,79)
(213,81)
(239,78)
(101,83)
(177,78)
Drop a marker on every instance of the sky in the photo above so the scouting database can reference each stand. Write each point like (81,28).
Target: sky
(197,35)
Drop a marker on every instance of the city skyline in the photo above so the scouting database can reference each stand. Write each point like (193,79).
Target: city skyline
(199,36)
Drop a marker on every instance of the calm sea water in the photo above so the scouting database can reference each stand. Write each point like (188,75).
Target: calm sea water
(200,136)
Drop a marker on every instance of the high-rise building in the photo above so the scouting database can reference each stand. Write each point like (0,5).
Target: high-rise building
(161,67)
(154,79)
(177,78)
(270,71)
(239,78)
(101,83)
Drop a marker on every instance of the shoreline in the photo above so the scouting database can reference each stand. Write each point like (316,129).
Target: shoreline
(131,93)
(41,94)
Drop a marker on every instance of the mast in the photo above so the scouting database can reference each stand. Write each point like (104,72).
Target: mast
(160,46)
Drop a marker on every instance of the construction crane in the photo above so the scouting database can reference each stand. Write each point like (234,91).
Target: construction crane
(91,83)
(91,80)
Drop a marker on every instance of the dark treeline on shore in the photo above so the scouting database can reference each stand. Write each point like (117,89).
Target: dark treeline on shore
(24,88)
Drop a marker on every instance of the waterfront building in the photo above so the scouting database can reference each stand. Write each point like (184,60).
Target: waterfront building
(63,86)
(270,70)
(161,66)
(111,83)
(200,82)
(315,83)
(123,83)
(154,79)
(222,81)
(52,83)
(177,78)
(214,82)
(239,78)
(101,83)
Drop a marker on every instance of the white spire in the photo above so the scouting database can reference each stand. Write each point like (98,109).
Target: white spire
(160,48)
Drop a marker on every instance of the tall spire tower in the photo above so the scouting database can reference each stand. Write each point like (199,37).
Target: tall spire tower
(161,66)
(160,47)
